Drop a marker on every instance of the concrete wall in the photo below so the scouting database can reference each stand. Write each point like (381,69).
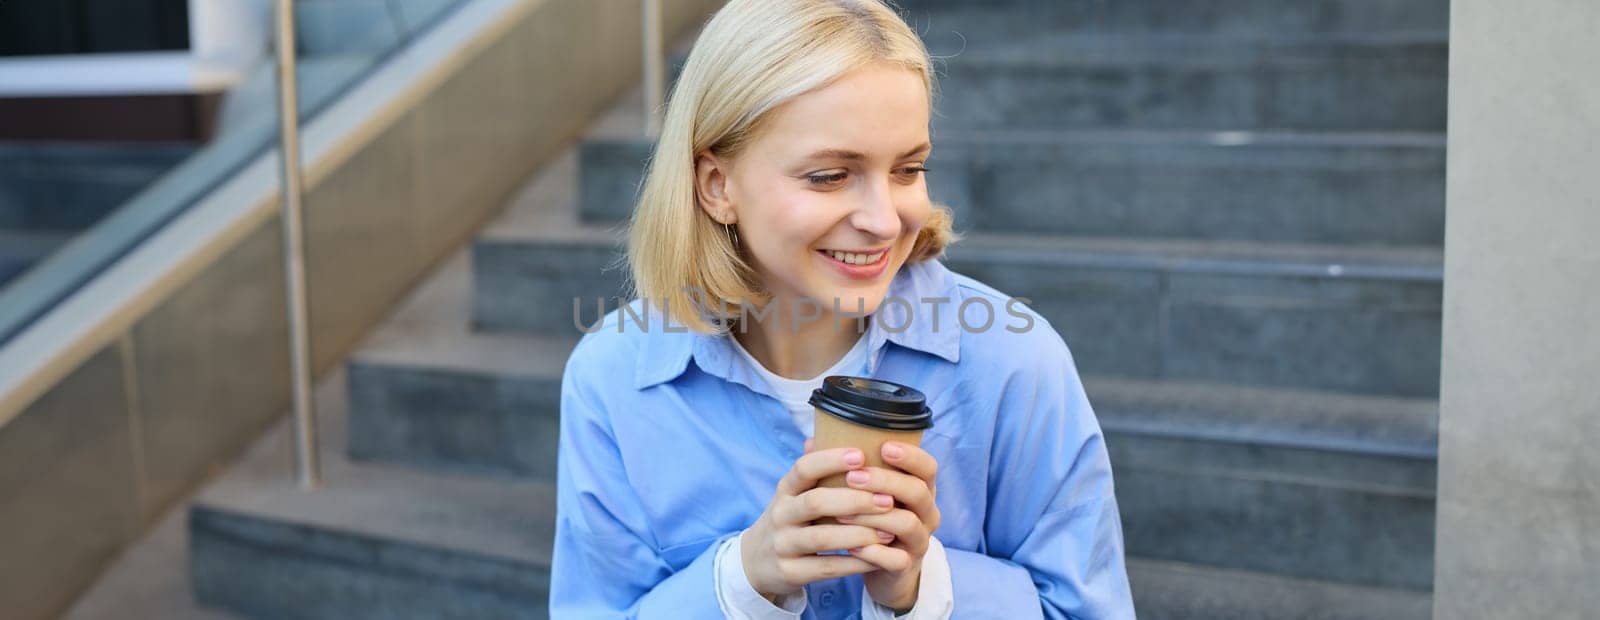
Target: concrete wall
(86,468)
(1519,455)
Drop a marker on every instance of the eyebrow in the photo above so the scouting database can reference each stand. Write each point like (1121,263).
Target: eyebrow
(857,156)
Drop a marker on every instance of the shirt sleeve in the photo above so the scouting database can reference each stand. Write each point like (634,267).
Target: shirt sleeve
(739,600)
(1050,477)
(606,563)
(935,596)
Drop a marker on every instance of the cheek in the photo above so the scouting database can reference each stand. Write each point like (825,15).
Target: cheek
(914,216)
(798,218)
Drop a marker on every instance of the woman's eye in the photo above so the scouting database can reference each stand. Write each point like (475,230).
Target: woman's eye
(912,171)
(826,179)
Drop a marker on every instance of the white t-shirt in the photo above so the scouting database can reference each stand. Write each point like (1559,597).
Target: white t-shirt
(796,393)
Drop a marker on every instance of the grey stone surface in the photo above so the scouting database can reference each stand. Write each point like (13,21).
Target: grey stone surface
(473,422)
(69,489)
(1197,83)
(936,20)
(1357,189)
(1355,320)
(1253,521)
(1404,430)
(371,542)
(1163,589)
(149,580)
(546,286)
(1519,501)
(1313,485)
(610,174)
(72,186)
(266,568)
(427,391)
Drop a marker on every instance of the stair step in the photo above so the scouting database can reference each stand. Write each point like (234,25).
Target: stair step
(1175,82)
(1175,590)
(1362,320)
(1052,80)
(1287,482)
(1381,188)
(978,18)
(372,542)
(69,186)
(428,392)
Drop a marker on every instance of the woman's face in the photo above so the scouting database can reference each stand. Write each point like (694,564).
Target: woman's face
(829,197)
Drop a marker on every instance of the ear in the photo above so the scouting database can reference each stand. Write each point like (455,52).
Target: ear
(711,188)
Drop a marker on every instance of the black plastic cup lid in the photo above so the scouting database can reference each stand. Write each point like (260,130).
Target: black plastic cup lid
(873,402)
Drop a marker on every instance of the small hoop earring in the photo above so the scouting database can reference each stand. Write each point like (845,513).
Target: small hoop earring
(733,235)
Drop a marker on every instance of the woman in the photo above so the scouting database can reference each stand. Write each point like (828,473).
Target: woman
(784,234)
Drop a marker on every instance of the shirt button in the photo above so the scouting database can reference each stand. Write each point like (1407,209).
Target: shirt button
(827,598)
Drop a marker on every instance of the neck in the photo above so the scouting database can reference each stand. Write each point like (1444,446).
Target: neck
(791,344)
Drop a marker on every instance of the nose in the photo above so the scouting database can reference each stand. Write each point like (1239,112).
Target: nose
(875,213)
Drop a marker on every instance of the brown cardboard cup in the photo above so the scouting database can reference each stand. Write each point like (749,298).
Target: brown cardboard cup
(864,413)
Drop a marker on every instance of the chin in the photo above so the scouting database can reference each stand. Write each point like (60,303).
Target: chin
(871,296)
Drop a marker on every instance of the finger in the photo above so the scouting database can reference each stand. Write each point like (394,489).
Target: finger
(810,568)
(909,490)
(809,443)
(810,468)
(908,530)
(830,502)
(814,539)
(884,557)
(912,460)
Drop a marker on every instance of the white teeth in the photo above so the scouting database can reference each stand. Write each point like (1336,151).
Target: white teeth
(854,258)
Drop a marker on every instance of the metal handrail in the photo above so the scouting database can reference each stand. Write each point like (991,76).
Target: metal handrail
(307,470)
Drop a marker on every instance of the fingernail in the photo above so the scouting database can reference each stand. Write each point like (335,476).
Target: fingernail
(885,536)
(845,519)
(857,477)
(893,451)
(853,458)
(882,500)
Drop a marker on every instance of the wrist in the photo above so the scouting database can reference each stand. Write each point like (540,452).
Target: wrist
(906,600)
(773,591)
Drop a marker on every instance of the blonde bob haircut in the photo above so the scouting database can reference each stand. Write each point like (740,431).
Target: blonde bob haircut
(752,56)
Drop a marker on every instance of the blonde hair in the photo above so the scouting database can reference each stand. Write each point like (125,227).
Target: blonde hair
(752,56)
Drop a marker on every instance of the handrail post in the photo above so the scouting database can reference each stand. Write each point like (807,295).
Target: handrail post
(307,470)
(655,72)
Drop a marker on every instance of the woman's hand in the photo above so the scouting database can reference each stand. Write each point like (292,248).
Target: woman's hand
(780,549)
(910,480)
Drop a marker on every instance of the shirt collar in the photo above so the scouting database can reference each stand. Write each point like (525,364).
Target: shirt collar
(918,313)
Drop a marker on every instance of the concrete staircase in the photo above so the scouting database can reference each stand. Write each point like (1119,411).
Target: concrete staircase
(1231,209)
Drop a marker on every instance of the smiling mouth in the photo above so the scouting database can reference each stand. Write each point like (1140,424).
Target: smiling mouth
(856,258)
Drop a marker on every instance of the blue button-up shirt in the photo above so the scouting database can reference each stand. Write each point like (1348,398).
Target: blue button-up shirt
(671,443)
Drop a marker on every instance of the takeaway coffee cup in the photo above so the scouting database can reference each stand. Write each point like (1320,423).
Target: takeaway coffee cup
(864,413)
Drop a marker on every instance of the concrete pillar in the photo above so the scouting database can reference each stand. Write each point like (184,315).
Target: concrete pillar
(1519,462)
